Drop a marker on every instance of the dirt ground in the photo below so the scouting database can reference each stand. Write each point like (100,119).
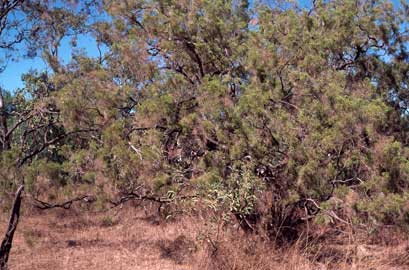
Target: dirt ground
(58,239)
(132,239)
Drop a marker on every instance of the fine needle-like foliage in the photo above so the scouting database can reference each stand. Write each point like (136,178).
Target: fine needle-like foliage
(272,114)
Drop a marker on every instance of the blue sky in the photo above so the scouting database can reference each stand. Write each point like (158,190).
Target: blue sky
(10,79)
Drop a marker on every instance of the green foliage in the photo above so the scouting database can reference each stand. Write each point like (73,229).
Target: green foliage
(390,208)
(224,102)
(238,194)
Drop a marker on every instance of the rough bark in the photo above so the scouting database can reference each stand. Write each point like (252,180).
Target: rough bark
(6,244)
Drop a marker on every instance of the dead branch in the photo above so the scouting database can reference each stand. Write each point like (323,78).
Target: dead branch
(65,205)
(160,200)
(135,196)
(6,244)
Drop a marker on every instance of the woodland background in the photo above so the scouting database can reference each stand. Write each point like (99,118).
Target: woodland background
(281,122)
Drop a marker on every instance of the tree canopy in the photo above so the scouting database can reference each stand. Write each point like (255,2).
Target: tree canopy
(269,112)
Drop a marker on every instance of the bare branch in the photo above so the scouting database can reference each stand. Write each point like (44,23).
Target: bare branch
(8,238)
(66,205)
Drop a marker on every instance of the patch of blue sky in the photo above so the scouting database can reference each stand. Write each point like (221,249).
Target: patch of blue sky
(10,78)
(19,64)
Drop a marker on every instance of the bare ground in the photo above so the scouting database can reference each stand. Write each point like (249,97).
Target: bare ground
(131,239)
(57,240)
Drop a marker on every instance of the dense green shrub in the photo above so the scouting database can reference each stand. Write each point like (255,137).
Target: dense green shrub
(264,111)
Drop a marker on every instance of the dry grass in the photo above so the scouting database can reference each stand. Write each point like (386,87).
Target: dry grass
(61,239)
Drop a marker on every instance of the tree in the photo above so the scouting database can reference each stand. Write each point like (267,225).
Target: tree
(9,32)
(29,120)
(298,100)
(266,112)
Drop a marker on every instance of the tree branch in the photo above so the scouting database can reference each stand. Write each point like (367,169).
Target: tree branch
(8,238)
(66,205)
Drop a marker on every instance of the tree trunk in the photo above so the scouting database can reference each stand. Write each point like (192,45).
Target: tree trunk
(3,125)
(8,238)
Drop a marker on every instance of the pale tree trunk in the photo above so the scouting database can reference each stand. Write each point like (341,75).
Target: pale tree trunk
(12,226)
